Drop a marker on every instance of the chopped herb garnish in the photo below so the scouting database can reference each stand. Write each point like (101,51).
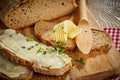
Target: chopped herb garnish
(23,47)
(36,44)
(49,67)
(70,79)
(30,39)
(10,35)
(81,60)
(64,55)
(54,30)
(48,50)
(30,47)
(62,27)
(39,50)
(65,32)
(61,43)
(60,50)
(73,63)
(44,52)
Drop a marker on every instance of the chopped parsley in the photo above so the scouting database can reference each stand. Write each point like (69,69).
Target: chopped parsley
(10,35)
(36,44)
(30,39)
(81,60)
(53,30)
(60,50)
(73,63)
(61,43)
(23,47)
(49,67)
(39,50)
(65,32)
(30,47)
(70,79)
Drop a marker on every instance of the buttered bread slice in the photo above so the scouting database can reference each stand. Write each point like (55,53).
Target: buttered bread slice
(11,71)
(25,51)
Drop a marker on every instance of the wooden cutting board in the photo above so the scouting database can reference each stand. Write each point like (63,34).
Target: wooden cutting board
(98,66)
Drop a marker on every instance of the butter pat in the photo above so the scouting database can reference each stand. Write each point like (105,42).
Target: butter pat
(60,32)
(65,30)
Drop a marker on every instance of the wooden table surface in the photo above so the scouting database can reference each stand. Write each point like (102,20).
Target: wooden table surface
(107,12)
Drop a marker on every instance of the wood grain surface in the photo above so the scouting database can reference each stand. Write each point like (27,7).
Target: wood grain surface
(107,12)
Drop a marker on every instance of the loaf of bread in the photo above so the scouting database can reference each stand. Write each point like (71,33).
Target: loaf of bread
(11,71)
(43,31)
(26,51)
(21,13)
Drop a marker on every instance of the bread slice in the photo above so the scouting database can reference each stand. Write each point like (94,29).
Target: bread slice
(102,42)
(11,71)
(21,13)
(25,51)
(43,31)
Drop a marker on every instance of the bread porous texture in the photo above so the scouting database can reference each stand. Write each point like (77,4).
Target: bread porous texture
(32,11)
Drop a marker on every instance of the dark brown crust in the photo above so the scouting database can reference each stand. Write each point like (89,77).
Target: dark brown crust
(15,58)
(52,71)
(6,5)
(28,75)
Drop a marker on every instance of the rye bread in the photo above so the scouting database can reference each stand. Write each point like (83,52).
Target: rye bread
(26,76)
(43,31)
(33,64)
(101,40)
(21,13)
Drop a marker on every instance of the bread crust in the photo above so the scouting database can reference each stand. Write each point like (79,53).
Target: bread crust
(43,33)
(13,5)
(48,71)
(35,67)
(40,32)
(20,61)
(15,59)
(27,76)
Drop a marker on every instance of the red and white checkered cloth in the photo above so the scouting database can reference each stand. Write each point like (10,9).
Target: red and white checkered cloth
(115,34)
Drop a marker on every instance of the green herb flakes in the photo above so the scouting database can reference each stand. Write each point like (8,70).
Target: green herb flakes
(23,47)
(73,63)
(53,30)
(30,39)
(81,60)
(49,67)
(61,43)
(39,50)
(10,35)
(60,50)
(30,47)
(36,44)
